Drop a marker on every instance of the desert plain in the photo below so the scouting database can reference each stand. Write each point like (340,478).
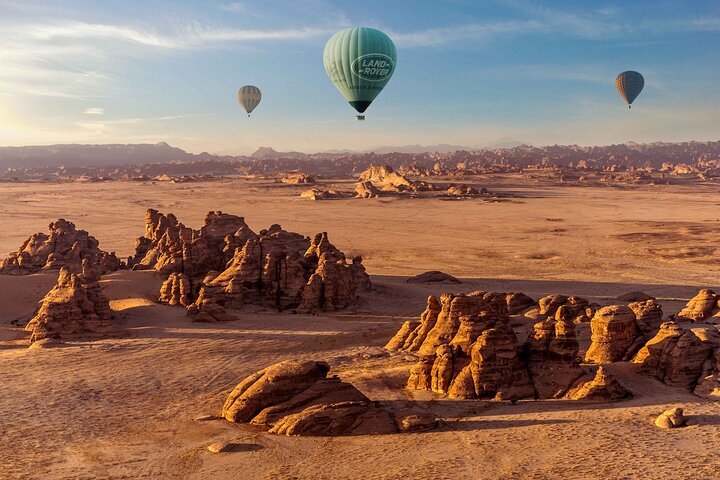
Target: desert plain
(125,406)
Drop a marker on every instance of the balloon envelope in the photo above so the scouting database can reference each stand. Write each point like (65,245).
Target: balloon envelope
(249,97)
(629,84)
(360,62)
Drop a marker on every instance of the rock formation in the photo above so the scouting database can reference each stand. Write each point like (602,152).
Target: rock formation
(284,270)
(680,357)
(64,246)
(518,302)
(551,354)
(615,335)
(176,290)
(648,314)
(319,194)
(366,190)
(603,388)
(575,308)
(433,276)
(700,306)
(74,306)
(225,264)
(298,398)
(169,247)
(672,418)
(298,178)
(462,190)
(467,349)
(385,179)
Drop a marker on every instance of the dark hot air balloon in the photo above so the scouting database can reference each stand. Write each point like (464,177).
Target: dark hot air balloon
(249,97)
(629,84)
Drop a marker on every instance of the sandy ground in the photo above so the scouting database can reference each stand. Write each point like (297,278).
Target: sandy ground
(124,407)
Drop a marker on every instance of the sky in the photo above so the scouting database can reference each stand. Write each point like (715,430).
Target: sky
(469,72)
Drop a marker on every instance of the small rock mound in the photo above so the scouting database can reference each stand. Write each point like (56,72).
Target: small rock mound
(433,276)
(297,398)
(603,388)
(74,306)
(63,247)
(672,418)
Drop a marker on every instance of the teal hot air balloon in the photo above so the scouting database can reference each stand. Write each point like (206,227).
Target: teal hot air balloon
(629,84)
(360,62)
(249,97)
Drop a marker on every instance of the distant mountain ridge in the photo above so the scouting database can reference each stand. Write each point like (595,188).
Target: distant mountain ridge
(628,154)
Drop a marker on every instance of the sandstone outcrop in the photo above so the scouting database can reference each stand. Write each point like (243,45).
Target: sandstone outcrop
(169,247)
(551,354)
(575,308)
(680,357)
(700,306)
(672,418)
(615,335)
(385,179)
(603,388)
(64,246)
(467,349)
(225,264)
(75,306)
(298,398)
(518,302)
(648,314)
(284,270)
(433,276)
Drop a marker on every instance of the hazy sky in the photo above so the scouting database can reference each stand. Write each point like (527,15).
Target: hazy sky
(468,72)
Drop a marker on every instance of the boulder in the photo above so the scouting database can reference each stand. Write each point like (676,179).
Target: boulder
(614,333)
(298,398)
(298,178)
(672,418)
(518,302)
(64,246)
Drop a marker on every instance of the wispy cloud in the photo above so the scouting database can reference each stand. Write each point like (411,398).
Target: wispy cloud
(94,111)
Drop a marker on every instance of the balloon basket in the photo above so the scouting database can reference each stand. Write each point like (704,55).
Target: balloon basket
(360,117)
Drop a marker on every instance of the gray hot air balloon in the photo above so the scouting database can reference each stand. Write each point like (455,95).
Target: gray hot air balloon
(629,84)
(249,97)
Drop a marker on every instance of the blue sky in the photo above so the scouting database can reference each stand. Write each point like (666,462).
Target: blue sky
(468,72)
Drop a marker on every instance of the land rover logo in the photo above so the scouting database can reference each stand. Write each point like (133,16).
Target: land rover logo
(373,67)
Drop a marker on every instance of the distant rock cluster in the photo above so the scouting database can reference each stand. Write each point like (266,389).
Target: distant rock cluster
(225,265)
(63,246)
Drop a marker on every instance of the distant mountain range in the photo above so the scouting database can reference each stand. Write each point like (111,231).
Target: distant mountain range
(506,152)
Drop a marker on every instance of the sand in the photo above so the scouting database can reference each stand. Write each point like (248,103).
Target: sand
(124,407)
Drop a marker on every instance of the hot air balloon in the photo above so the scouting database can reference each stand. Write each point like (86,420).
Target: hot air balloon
(360,62)
(629,84)
(249,97)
